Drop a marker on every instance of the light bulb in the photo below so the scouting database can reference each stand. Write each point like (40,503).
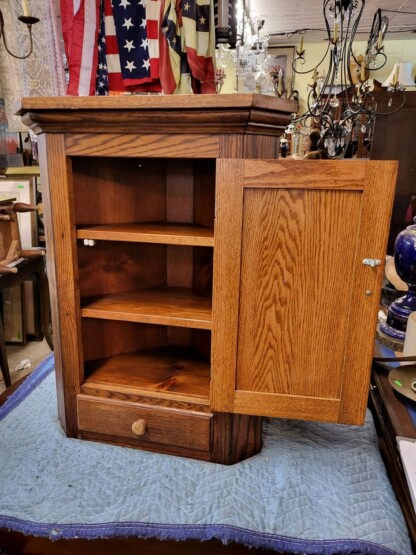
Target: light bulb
(334,102)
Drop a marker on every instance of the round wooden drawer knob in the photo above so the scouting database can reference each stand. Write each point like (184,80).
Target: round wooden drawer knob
(139,427)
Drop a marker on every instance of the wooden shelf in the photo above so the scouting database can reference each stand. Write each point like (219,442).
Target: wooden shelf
(168,234)
(166,373)
(164,306)
(23,171)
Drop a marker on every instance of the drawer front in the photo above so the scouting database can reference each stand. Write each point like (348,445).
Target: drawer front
(144,423)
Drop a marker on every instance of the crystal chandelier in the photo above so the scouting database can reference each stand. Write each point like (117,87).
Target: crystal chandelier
(248,53)
(339,96)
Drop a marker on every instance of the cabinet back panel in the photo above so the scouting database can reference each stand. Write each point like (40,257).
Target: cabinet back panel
(179,191)
(179,266)
(201,343)
(203,269)
(107,338)
(204,192)
(116,267)
(191,191)
(293,307)
(118,190)
(123,190)
(190,267)
(198,340)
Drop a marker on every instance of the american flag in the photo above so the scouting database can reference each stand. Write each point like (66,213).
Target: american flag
(129,45)
(102,84)
(121,45)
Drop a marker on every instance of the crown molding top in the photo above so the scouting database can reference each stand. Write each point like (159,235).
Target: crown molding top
(225,113)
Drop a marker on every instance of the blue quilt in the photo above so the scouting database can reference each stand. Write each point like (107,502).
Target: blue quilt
(314,488)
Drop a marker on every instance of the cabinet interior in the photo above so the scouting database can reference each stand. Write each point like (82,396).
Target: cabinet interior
(145,237)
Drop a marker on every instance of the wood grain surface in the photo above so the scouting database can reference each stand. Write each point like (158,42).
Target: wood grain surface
(137,176)
(301,174)
(163,372)
(377,206)
(58,205)
(112,191)
(107,338)
(296,268)
(149,146)
(151,102)
(163,425)
(166,306)
(167,234)
(299,339)
(236,113)
(225,302)
(116,267)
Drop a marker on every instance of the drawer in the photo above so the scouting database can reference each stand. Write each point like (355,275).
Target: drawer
(144,423)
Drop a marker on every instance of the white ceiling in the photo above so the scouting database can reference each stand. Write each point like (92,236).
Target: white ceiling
(284,16)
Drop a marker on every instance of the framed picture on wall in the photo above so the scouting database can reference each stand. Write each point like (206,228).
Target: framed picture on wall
(282,57)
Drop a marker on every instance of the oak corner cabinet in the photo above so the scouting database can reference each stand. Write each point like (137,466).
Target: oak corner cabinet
(197,283)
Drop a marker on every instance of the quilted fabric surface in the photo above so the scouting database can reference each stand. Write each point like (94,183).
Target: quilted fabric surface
(315,488)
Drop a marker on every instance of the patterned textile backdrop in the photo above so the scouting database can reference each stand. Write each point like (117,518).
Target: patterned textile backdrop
(10,72)
(42,74)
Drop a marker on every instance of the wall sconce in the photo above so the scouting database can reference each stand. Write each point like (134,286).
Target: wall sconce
(27,20)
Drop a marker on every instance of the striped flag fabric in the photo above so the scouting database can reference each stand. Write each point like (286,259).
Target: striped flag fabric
(198,38)
(174,68)
(79,20)
(153,8)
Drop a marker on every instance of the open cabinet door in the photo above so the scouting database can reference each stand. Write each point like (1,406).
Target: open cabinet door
(298,263)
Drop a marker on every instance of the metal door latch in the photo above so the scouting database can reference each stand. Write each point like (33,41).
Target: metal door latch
(373,262)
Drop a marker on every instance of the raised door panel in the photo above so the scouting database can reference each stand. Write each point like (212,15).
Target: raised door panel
(295,269)
(291,289)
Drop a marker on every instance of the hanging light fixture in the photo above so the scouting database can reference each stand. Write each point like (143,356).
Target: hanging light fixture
(399,78)
(28,20)
(340,96)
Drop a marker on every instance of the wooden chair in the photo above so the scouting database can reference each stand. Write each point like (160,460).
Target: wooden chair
(17,264)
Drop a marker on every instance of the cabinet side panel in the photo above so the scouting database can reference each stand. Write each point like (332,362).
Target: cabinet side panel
(378,199)
(249,146)
(57,196)
(235,437)
(231,146)
(298,250)
(261,146)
